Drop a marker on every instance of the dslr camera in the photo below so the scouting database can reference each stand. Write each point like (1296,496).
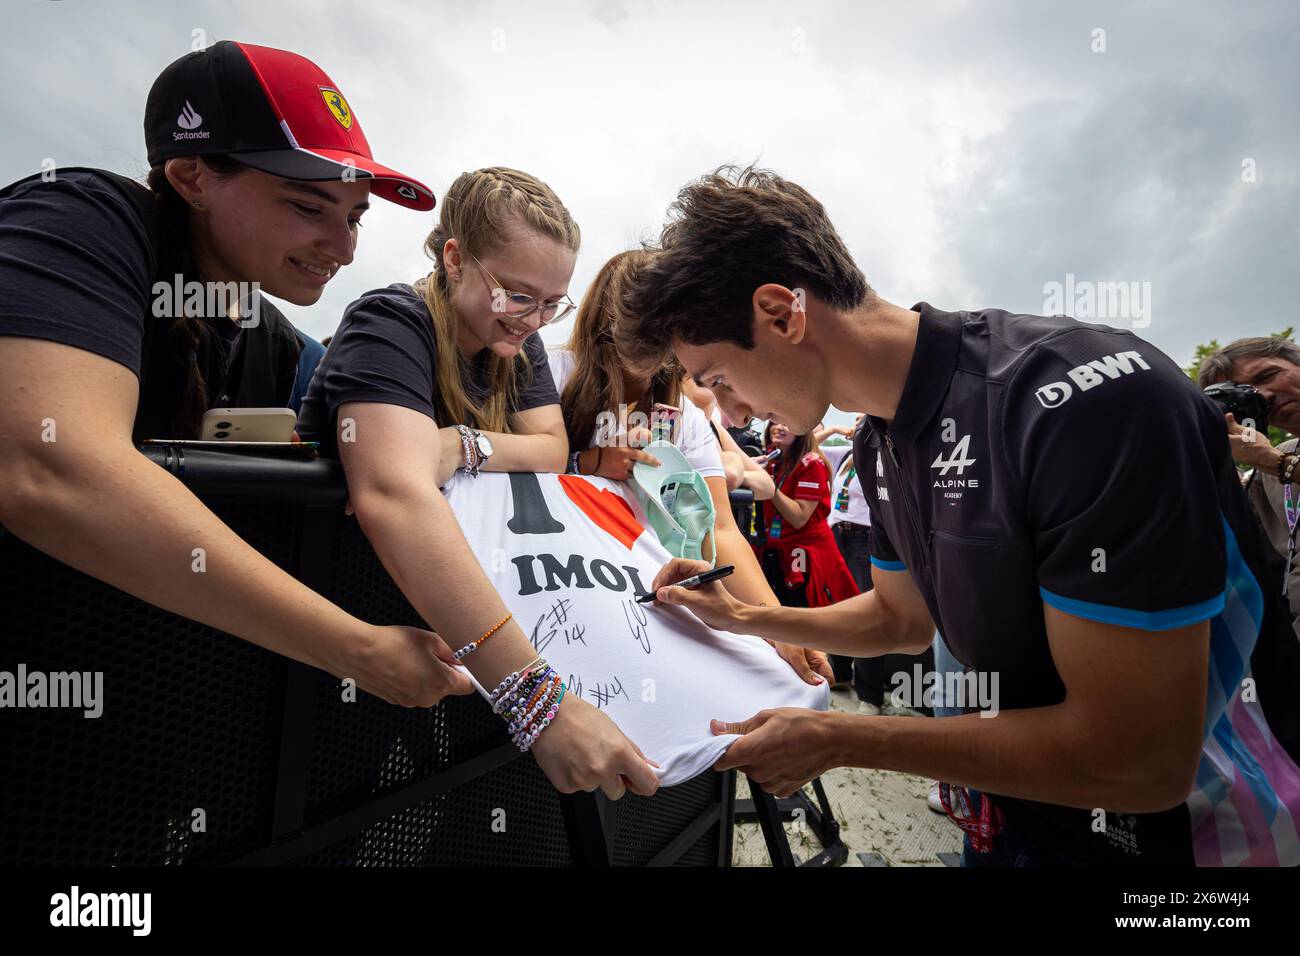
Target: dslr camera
(1244,402)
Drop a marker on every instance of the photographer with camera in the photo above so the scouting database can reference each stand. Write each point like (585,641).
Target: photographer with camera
(1257,383)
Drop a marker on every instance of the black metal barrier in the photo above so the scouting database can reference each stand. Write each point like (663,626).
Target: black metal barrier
(748,514)
(210,750)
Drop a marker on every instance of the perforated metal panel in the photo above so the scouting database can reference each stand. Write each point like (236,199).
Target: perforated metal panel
(193,720)
(508,817)
(644,826)
(190,720)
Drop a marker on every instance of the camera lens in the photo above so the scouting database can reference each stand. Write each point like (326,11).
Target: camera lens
(223,424)
(223,434)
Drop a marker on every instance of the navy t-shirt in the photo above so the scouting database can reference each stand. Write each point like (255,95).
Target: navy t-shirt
(384,351)
(1038,460)
(80,255)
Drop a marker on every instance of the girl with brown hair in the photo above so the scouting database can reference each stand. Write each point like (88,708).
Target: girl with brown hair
(449,374)
(602,397)
(800,556)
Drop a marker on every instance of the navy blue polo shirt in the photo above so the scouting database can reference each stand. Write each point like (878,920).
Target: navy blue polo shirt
(1044,460)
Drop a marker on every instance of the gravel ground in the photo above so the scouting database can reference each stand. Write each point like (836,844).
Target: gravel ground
(878,811)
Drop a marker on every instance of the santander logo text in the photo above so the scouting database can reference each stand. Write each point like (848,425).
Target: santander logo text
(190,121)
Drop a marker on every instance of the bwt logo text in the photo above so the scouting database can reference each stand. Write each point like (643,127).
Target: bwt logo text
(1088,376)
(1099,300)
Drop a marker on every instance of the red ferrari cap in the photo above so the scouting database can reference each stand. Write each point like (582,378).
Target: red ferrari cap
(270,109)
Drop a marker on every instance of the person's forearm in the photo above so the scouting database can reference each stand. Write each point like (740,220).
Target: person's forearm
(747,583)
(758,481)
(538,452)
(860,626)
(116,516)
(417,537)
(542,452)
(1043,753)
(794,513)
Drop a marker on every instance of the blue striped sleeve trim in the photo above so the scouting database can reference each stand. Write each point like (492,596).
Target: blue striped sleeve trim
(888,565)
(1125,617)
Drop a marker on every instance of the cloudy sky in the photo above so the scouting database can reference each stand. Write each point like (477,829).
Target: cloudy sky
(971,153)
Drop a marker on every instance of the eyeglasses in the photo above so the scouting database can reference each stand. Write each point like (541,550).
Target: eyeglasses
(518,305)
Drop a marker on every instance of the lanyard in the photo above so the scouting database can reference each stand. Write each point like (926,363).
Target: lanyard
(1292,518)
(774,529)
(842,499)
(989,825)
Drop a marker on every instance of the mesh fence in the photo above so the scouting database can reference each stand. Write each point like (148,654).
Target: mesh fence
(186,763)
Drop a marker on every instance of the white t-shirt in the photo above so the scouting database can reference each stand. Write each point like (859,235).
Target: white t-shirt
(695,439)
(835,454)
(857,511)
(567,554)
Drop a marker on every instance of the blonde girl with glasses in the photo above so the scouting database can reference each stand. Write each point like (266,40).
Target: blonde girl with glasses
(450,374)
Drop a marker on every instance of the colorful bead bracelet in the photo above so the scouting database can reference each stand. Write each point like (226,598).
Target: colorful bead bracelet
(471,647)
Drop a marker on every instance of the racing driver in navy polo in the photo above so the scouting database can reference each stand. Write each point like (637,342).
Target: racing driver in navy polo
(1056,498)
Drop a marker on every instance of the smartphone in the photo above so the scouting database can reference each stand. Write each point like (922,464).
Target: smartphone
(248,424)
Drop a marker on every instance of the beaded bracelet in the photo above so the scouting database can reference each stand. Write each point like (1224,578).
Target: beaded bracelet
(527,742)
(470,648)
(518,700)
(528,699)
(535,707)
(525,738)
(525,719)
(1289,464)
(501,695)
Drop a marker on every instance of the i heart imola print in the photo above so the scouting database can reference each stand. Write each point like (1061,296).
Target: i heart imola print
(569,554)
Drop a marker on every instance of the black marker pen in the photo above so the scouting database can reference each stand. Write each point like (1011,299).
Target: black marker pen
(691,582)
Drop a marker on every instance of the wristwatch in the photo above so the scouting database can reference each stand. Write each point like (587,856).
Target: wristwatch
(478,449)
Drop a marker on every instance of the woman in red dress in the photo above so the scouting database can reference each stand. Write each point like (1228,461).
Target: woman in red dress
(800,556)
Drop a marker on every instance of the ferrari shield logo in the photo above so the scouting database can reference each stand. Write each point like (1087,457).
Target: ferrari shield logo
(337,106)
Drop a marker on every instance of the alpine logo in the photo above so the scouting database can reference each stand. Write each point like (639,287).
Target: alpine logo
(1084,377)
(405,191)
(190,120)
(958,459)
